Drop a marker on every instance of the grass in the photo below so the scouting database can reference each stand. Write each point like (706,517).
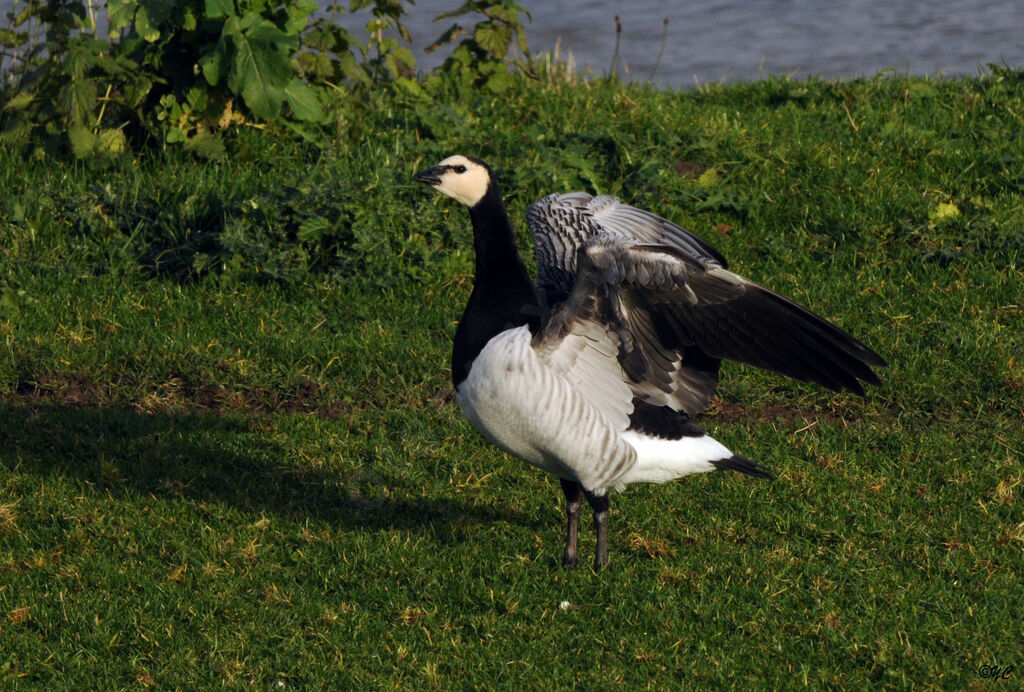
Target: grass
(228,460)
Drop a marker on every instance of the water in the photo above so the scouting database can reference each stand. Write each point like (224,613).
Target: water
(720,40)
(715,40)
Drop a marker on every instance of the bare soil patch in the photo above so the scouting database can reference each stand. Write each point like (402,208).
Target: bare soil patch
(176,395)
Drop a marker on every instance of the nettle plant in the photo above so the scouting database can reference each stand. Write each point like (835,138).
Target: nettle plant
(484,57)
(182,71)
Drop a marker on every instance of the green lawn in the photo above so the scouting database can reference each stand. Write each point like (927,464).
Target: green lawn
(229,459)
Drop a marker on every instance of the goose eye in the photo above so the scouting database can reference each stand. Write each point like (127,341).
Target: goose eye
(459,169)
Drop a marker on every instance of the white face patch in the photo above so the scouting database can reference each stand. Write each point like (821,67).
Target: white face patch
(463,180)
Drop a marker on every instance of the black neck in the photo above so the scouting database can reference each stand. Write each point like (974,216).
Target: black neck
(503,296)
(498,263)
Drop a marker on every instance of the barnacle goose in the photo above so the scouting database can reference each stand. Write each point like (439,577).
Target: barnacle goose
(595,372)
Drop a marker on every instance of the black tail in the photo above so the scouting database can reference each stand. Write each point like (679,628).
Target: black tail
(742,464)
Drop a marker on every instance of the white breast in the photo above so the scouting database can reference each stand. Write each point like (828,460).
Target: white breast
(525,408)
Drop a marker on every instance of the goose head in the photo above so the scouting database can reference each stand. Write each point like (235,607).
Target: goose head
(463,178)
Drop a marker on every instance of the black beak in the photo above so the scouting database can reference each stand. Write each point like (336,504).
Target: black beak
(431,176)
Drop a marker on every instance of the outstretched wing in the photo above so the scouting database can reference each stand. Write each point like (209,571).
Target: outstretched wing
(675,308)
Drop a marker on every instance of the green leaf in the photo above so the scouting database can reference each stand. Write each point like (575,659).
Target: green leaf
(498,82)
(493,38)
(25,15)
(299,130)
(353,70)
(708,178)
(584,167)
(220,8)
(197,98)
(943,212)
(9,303)
(323,36)
(16,128)
(171,108)
(83,142)
(19,102)
(144,26)
(317,65)
(399,60)
(524,47)
(207,145)
(12,39)
(111,140)
(303,100)
(137,90)
(260,68)
(412,88)
(212,65)
(521,9)
(453,32)
(313,228)
(504,13)
(159,10)
(189,22)
(78,99)
(403,31)
(176,134)
(78,61)
(298,15)
(120,12)
(462,55)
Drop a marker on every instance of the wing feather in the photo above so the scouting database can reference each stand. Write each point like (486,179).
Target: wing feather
(671,309)
(582,347)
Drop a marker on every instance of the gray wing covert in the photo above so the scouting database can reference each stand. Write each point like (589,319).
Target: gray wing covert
(562,223)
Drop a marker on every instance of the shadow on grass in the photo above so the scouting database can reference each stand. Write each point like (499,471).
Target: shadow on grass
(197,457)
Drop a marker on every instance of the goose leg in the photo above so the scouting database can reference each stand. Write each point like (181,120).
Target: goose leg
(573,501)
(600,505)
